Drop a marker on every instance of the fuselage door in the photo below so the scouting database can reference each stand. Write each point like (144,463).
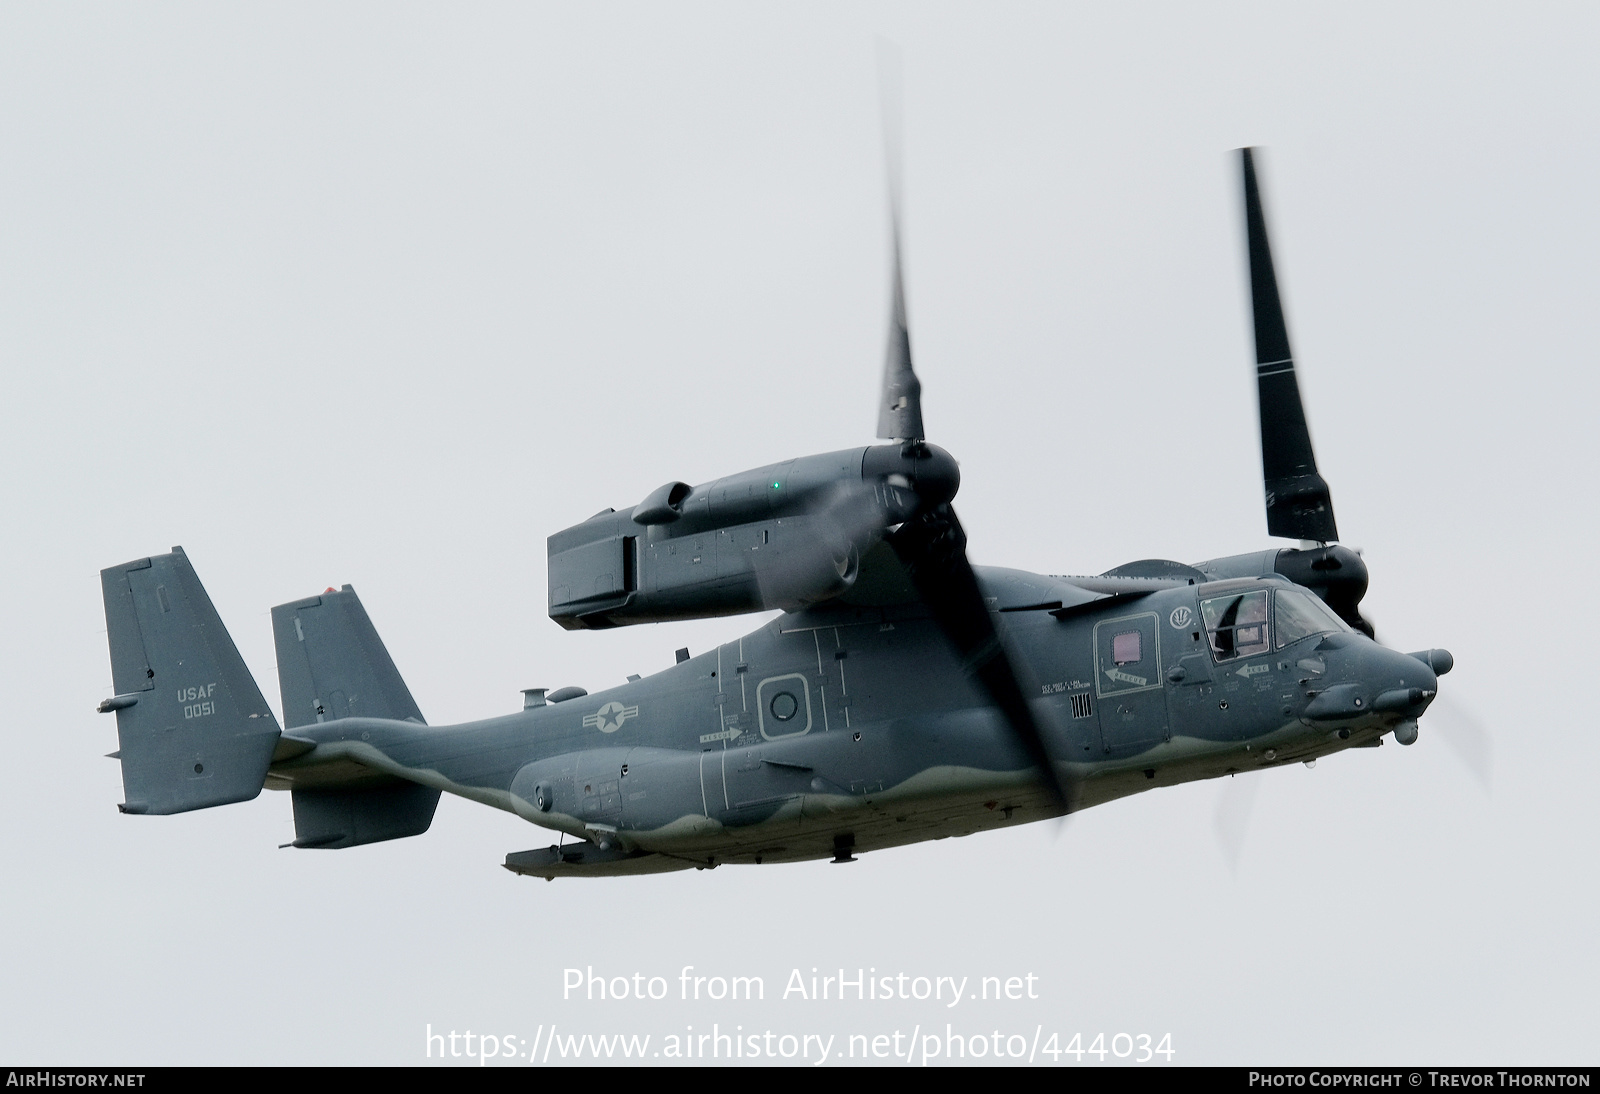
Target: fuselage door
(1127,676)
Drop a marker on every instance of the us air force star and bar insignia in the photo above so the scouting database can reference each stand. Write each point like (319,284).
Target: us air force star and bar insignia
(609,718)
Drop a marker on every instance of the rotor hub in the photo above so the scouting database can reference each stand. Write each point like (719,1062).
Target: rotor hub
(927,470)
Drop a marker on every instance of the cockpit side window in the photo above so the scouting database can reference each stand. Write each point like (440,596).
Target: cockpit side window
(1298,614)
(1237,625)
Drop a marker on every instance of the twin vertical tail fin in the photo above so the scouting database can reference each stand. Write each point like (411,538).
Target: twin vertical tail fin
(331,665)
(193,728)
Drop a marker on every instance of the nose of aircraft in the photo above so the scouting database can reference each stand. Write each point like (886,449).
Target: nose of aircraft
(1415,691)
(1407,683)
(1386,683)
(1410,702)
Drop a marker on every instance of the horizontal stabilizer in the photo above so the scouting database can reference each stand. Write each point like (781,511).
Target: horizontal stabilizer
(193,727)
(332,664)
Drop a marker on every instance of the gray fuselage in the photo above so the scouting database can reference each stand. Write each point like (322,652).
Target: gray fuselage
(854,727)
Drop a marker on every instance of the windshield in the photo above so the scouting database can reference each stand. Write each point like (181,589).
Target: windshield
(1298,614)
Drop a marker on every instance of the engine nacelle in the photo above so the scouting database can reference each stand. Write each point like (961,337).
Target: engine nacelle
(782,536)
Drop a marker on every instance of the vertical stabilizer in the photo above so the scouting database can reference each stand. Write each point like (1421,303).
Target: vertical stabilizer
(193,727)
(332,664)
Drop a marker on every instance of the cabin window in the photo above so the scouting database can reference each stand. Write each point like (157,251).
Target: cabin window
(1127,648)
(783,706)
(1237,625)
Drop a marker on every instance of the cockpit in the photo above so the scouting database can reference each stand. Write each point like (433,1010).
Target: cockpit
(1248,622)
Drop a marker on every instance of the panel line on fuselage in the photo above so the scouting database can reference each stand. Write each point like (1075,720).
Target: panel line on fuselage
(835,626)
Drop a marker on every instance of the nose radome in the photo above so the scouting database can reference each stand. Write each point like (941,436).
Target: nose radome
(1390,683)
(1415,689)
(1411,701)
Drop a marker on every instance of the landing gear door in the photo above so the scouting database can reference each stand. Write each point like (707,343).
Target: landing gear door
(1127,676)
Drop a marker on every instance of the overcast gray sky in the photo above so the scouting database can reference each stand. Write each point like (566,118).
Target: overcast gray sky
(387,294)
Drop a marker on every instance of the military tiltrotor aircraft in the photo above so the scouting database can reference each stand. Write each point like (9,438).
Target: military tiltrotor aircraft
(903,694)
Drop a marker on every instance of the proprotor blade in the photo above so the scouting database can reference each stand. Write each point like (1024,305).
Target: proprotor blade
(933,548)
(900,408)
(1299,505)
(900,403)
